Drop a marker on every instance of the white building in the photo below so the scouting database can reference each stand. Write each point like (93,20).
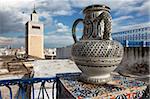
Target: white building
(5,52)
(63,53)
(135,36)
(50,53)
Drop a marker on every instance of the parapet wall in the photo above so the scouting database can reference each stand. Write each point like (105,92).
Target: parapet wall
(136,55)
(136,60)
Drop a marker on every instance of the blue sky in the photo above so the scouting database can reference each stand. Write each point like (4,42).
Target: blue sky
(59,15)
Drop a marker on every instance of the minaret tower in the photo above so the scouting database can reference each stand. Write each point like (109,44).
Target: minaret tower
(34,36)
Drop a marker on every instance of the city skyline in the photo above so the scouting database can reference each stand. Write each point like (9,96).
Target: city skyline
(59,15)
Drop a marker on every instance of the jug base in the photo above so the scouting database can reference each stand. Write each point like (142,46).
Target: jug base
(95,79)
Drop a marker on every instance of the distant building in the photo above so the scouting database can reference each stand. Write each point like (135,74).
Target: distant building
(3,51)
(136,42)
(34,37)
(63,53)
(50,53)
(138,36)
(8,51)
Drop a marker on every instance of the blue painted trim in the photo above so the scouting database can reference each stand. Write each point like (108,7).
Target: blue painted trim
(26,81)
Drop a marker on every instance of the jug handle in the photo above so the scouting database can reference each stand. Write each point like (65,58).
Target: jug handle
(74,29)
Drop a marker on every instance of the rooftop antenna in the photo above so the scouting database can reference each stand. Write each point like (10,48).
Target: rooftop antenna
(34,6)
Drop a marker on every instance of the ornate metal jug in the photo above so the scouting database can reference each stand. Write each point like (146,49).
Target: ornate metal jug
(96,54)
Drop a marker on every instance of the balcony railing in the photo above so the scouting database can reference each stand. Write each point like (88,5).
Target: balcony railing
(26,87)
(128,43)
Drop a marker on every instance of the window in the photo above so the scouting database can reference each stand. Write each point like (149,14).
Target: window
(146,36)
(145,28)
(130,37)
(36,27)
(136,37)
(133,31)
(125,37)
(142,36)
(136,30)
(133,36)
(139,30)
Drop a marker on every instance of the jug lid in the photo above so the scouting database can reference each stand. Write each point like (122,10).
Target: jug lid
(96,7)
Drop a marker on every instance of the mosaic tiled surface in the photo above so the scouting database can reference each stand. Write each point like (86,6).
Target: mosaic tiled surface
(118,88)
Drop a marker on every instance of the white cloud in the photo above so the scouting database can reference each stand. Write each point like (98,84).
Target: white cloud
(10,22)
(55,7)
(7,4)
(17,12)
(122,18)
(60,27)
(58,41)
(12,41)
(48,19)
(60,37)
(126,7)
(144,9)
(122,10)
(130,27)
(116,23)
(49,8)
(12,16)
(14,13)
(5,41)
(119,6)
